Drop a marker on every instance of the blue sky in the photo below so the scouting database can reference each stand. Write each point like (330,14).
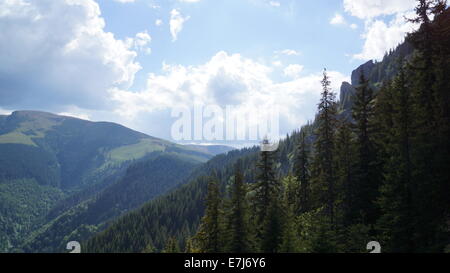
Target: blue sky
(133,61)
(255,29)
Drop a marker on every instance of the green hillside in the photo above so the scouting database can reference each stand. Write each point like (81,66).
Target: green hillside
(74,160)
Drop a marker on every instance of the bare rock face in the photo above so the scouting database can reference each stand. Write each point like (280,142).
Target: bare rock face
(365,68)
(346,94)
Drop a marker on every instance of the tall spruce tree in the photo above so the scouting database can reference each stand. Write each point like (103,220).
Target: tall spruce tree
(272,227)
(290,242)
(323,167)
(301,171)
(266,203)
(345,156)
(208,237)
(397,221)
(239,240)
(368,173)
(267,187)
(429,149)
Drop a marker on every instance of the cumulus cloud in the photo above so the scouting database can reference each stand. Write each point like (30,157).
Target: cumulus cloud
(140,42)
(293,70)
(158,22)
(176,22)
(52,52)
(337,20)
(227,79)
(380,37)
(365,9)
(288,52)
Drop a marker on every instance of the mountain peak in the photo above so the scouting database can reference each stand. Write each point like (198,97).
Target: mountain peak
(365,68)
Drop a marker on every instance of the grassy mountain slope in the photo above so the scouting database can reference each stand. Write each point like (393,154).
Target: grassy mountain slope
(76,159)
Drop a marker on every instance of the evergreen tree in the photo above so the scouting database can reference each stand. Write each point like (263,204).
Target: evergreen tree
(190,246)
(429,153)
(172,246)
(272,228)
(266,203)
(396,200)
(210,229)
(301,171)
(323,169)
(238,218)
(367,179)
(149,248)
(345,173)
(267,186)
(290,238)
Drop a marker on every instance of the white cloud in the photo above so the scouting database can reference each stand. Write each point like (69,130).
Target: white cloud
(379,34)
(140,42)
(79,115)
(189,1)
(124,1)
(289,52)
(176,23)
(158,22)
(277,63)
(293,70)
(337,20)
(381,37)
(53,52)
(274,3)
(5,111)
(226,80)
(365,9)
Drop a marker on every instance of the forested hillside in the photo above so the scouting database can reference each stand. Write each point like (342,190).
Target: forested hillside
(55,167)
(142,182)
(371,167)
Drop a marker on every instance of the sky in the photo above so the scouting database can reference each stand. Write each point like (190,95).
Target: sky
(134,61)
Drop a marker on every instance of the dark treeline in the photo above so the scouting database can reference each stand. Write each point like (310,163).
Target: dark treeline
(381,174)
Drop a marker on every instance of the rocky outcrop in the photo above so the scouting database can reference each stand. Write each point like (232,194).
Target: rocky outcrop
(346,94)
(365,68)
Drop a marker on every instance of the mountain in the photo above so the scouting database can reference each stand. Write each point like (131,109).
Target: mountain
(50,165)
(212,149)
(178,213)
(375,72)
(142,182)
